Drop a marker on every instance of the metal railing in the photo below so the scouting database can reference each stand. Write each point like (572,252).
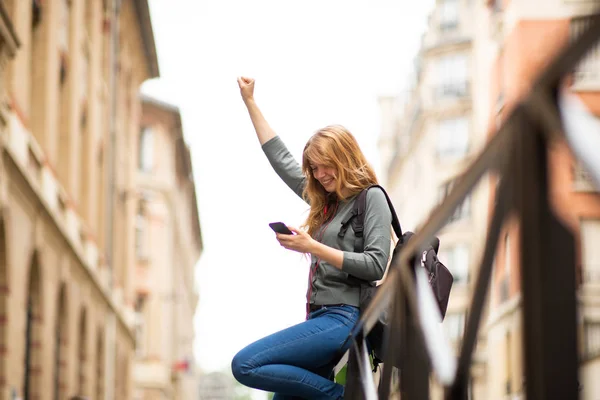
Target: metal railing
(517,153)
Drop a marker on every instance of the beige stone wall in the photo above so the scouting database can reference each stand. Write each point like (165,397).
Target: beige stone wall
(59,309)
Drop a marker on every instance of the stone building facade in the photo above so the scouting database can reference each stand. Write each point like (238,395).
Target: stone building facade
(69,122)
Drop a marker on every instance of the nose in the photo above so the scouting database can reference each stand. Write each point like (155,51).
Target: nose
(319,173)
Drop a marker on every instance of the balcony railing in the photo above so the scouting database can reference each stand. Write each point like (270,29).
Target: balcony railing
(518,153)
(591,274)
(504,292)
(451,90)
(448,26)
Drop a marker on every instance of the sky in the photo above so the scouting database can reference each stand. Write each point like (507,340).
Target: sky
(316,62)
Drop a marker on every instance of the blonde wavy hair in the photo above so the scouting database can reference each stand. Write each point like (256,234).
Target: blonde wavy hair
(333,146)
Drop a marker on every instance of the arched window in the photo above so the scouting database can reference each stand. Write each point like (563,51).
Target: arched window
(81,354)
(141,229)
(3,294)
(146,149)
(36,69)
(100,365)
(32,366)
(60,342)
(64,97)
(507,256)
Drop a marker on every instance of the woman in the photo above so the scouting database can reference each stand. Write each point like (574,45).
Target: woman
(298,361)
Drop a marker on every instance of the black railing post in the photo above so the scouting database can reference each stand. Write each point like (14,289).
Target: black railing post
(547,276)
(354,387)
(414,370)
(414,377)
(394,341)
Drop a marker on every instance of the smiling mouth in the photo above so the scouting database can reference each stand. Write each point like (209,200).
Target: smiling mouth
(327,182)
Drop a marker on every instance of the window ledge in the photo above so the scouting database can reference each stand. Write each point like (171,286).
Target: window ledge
(502,310)
(143,260)
(586,86)
(589,358)
(584,187)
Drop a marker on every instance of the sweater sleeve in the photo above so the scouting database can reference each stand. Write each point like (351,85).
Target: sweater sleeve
(371,263)
(285,165)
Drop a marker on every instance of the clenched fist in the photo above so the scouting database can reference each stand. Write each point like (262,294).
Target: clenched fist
(246,87)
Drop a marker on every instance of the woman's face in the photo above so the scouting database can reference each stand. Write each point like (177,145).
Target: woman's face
(325,175)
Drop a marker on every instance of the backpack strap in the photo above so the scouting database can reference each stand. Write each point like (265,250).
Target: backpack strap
(395,221)
(356,218)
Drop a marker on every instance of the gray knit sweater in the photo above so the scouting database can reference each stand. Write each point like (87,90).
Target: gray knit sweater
(330,285)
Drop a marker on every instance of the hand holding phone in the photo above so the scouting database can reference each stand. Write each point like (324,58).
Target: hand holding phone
(280,227)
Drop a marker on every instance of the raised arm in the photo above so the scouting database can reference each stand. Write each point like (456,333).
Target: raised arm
(264,132)
(282,161)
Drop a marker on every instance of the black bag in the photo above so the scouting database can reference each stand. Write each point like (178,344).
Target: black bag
(440,278)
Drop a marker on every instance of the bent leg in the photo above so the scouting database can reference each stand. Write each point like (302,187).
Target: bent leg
(290,362)
(325,371)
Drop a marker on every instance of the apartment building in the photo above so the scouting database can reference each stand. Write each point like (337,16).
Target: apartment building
(428,140)
(69,123)
(517,38)
(512,40)
(168,243)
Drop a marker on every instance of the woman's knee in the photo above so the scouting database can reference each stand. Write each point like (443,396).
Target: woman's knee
(240,366)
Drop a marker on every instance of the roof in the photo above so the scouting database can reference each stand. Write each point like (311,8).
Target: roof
(143,13)
(159,103)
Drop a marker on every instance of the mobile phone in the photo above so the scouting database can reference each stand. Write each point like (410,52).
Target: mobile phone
(280,227)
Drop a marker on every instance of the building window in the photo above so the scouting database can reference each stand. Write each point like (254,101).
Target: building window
(63,69)
(587,72)
(507,256)
(61,349)
(88,13)
(495,5)
(454,325)
(504,282)
(99,365)
(463,210)
(63,34)
(36,13)
(140,318)
(83,85)
(139,334)
(34,342)
(140,234)
(503,289)
(82,358)
(591,334)
(590,250)
(508,373)
(449,15)
(582,180)
(146,149)
(453,138)
(451,76)
(456,259)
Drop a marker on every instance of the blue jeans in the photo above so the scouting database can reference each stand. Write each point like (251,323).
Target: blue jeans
(297,362)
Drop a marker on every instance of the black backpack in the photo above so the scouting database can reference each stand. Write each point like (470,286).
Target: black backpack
(440,278)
